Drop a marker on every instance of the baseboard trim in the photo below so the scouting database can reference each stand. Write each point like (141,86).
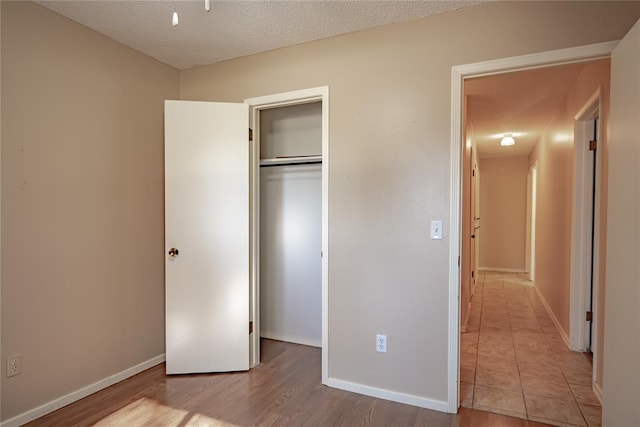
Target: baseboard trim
(291,339)
(65,400)
(563,334)
(597,390)
(465,324)
(502,270)
(393,396)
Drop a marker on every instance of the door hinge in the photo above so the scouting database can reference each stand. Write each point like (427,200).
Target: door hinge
(250,134)
(589,316)
(458,260)
(472,274)
(250,326)
(593,145)
(473,172)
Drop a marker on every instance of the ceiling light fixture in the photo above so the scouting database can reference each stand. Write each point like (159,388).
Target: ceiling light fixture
(507,140)
(174,17)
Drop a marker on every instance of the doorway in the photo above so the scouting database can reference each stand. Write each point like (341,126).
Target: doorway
(212,226)
(459,74)
(290,223)
(532,190)
(284,169)
(585,272)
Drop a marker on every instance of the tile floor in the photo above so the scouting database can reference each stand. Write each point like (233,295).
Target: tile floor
(513,360)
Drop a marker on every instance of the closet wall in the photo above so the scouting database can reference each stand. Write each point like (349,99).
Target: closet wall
(290,224)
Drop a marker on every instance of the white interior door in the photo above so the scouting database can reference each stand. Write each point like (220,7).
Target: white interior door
(207,222)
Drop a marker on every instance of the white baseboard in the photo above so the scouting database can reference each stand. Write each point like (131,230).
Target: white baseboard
(597,390)
(394,396)
(465,323)
(502,270)
(290,338)
(58,403)
(563,334)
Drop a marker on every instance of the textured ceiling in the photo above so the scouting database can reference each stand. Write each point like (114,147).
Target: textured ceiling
(523,103)
(235,28)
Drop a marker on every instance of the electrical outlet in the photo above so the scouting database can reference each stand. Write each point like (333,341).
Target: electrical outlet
(381,343)
(14,365)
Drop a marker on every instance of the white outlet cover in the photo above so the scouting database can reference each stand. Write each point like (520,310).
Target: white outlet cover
(381,343)
(14,365)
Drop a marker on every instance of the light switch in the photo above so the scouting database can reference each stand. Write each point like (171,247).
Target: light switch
(436,230)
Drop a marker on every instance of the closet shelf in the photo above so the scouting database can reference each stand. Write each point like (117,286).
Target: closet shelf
(290,160)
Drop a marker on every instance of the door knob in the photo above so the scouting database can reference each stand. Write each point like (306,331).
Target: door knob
(173,252)
(473,236)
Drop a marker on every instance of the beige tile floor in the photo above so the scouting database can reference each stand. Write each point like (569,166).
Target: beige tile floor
(513,360)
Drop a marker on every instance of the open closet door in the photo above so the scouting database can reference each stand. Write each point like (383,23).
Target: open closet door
(206,237)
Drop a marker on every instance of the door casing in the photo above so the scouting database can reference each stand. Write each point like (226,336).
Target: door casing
(255,106)
(458,74)
(583,243)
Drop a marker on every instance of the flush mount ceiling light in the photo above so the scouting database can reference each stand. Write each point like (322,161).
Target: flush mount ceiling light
(507,140)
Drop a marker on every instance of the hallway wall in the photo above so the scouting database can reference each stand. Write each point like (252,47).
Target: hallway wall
(503,203)
(554,154)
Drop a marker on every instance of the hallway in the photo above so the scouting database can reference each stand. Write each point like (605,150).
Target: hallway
(513,360)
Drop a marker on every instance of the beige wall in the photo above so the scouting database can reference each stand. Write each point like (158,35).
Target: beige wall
(503,203)
(554,157)
(622,314)
(389,165)
(82,205)
(554,154)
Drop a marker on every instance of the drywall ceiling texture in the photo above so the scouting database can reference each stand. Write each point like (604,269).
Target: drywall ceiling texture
(390,102)
(235,28)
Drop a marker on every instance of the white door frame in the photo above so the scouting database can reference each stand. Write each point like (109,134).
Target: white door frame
(532,194)
(581,237)
(458,74)
(255,105)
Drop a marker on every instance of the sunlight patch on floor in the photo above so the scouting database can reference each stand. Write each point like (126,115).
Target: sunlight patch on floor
(146,411)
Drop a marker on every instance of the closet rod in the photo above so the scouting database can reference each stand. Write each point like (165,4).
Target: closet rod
(283,161)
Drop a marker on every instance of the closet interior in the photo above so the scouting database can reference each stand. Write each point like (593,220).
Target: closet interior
(291,223)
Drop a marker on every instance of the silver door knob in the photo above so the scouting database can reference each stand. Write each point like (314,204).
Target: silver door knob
(173,252)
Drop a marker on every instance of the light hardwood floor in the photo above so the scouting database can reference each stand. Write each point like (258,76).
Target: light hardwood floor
(284,390)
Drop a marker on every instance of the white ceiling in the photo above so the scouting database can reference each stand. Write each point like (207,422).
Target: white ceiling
(523,103)
(235,28)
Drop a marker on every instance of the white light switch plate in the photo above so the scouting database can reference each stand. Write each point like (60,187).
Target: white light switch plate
(436,230)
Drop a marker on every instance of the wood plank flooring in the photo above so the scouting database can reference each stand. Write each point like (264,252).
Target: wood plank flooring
(284,390)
